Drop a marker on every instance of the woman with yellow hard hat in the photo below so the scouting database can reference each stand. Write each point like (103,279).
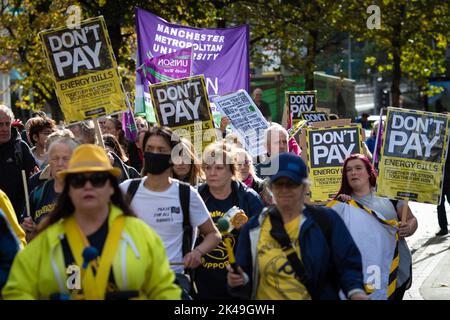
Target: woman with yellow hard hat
(92,246)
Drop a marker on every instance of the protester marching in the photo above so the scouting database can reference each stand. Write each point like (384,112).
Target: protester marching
(198,191)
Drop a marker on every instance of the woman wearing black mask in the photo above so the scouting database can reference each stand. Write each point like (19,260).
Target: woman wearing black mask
(156,199)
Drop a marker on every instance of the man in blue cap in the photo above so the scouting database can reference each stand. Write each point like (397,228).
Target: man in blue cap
(294,251)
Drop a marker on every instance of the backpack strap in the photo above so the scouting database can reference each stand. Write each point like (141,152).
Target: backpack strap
(278,232)
(185,195)
(320,217)
(132,188)
(324,223)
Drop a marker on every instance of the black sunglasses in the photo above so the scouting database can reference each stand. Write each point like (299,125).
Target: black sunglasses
(97,179)
(286,183)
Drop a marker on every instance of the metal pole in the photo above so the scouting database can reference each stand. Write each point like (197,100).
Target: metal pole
(349,56)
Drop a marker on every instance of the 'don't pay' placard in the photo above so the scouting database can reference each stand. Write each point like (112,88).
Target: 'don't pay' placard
(327,148)
(297,102)
(84,70)
(183,106)
(413,155)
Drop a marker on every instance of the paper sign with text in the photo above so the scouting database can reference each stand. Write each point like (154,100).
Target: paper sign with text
(246,120)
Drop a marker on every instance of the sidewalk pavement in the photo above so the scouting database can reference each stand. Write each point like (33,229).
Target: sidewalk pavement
(431,271)
(431,256)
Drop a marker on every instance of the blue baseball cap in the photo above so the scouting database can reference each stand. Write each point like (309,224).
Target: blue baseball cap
(290,166)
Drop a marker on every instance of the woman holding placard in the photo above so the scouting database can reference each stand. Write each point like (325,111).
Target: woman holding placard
(358,182)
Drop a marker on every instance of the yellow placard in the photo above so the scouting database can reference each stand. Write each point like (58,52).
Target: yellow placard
(327,148)
(183,106)
(413,155)
(84,70)
(297,102)
(314,116)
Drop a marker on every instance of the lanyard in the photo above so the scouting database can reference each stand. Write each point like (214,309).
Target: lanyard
(94,285)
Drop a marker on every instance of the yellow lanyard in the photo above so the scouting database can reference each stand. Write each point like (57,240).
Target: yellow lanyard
(94,286)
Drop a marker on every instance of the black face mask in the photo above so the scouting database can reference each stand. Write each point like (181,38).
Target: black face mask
(156,163)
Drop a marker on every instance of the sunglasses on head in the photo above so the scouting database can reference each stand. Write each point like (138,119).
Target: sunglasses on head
(97,179)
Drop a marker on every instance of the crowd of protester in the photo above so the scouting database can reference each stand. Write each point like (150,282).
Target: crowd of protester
(142,219)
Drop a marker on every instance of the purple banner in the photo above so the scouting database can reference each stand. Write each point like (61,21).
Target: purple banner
(129,125)
(221,55)
(168,66)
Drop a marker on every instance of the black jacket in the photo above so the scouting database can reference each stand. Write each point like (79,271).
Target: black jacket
(135,159)
(447,169)
(15,156)
(247,198)
(127,172)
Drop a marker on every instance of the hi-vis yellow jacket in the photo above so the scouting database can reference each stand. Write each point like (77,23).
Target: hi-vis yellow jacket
(140,263)
(8,210)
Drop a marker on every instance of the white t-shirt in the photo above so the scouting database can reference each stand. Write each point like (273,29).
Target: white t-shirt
(162,211)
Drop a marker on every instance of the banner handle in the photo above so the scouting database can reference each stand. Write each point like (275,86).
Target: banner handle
(25,189)
(405,211)
(98,133)
(380,127)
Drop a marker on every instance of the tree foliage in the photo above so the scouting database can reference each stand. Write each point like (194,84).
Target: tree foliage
(411,42)
(21,49)
(299,31)
(413,35)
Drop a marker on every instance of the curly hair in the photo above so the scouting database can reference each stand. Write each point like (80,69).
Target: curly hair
(39,124)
